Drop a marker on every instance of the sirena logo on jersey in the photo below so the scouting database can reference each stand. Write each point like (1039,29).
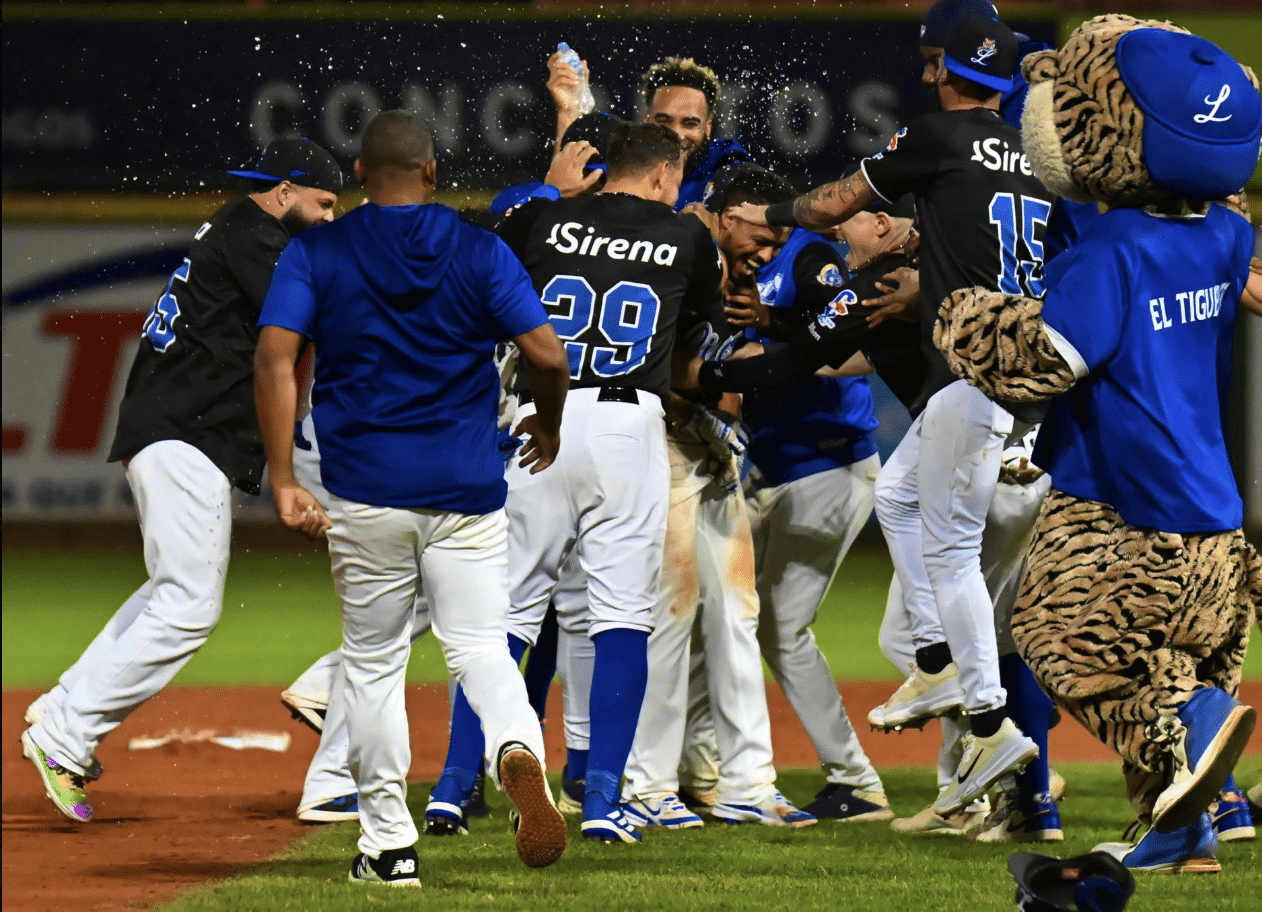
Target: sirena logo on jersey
(989,154)
(571,238)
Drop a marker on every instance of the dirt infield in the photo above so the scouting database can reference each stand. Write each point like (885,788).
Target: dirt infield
(176,816)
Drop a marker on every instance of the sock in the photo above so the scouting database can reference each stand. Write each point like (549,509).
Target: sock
(575,764)
(986,723)
(933,658)
(1031,709)
(541,666)
(468,744)
(619,677)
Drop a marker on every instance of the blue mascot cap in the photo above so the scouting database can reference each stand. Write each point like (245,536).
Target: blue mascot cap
(1202,116)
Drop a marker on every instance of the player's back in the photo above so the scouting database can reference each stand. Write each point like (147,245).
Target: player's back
(411,302)
(980,210)
(613,271)
(192,379)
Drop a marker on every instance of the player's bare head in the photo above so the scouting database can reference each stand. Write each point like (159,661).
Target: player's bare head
(648,156)
(745,245)
(683,95)
(877,228)
(397,146)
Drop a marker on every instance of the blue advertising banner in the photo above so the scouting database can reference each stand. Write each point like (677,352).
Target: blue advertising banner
(170,104)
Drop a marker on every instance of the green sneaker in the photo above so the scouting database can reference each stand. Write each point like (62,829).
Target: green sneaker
(63,787)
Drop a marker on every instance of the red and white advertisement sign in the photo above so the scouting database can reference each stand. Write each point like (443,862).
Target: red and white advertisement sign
(74,302)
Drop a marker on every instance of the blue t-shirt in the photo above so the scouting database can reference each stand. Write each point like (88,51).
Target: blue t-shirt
(824,423)
(1149,304)
(405,305)
(716,154)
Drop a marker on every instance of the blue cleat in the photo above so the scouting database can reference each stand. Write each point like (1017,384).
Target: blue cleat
(445,814)
(1189,850)
(1217,729)
(1232,820)
(336,810)
(606,822)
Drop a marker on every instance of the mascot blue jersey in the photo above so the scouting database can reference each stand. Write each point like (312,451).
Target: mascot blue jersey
(1143,308)
(824,423)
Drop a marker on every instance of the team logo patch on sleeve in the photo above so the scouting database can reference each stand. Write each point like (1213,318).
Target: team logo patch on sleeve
(837,307)
(893,144)
(830,276)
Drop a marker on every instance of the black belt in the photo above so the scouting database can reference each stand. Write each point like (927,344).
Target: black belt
(607,394)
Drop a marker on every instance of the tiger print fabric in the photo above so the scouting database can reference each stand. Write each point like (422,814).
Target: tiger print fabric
(996,342)
(1121,624)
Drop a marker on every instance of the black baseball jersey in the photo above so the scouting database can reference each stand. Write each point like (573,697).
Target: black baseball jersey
(614,272)
(981,212)
(193,377)
(826,333)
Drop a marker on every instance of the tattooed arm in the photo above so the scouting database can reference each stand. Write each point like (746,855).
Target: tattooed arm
(822,207)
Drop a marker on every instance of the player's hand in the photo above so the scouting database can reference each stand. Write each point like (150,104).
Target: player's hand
(748,212)
(744,307)
(563,84)
(900,297)
(540,449)
(748,350)
(299,510)
(566,172)
(721,431)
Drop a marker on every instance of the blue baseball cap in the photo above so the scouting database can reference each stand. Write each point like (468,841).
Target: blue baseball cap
(1202,116)
(982,50)
(299,161)
(935,27)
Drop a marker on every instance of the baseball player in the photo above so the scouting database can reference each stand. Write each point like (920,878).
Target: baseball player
(187,434)
(710,561)
(405,304)
(980,211)
(614,270)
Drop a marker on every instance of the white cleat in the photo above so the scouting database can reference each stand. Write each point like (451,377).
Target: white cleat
(986,760)
(918,699)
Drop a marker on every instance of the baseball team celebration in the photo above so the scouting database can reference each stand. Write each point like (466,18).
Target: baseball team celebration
(820,450)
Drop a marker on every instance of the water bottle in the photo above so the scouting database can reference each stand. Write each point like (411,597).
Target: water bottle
(586,103)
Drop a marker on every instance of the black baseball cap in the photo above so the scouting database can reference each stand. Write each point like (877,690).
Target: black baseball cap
(1095,882)
(935,27)
(746,177)
(594,128)
(299,161)
(982,50)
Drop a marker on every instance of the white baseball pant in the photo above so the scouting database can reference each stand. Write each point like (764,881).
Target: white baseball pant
(576,653)
(606,496)
(932,497)
(709,559)
(185,509)
(801,531)
(379,556)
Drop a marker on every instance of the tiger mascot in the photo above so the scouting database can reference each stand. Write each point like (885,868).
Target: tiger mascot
(1140,590)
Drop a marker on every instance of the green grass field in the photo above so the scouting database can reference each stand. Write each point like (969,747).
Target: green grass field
(280,613)
(831,866)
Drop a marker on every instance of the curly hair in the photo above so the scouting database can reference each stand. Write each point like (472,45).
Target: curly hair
(681,71)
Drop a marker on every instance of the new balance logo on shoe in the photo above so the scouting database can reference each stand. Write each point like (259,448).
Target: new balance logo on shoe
(404,866)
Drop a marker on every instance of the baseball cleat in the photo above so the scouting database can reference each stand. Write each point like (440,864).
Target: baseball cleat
(445,813)
(541,830)
(335,810)
(930,822)
(1254,797)
(1056,784)
(308,711)
(845,802)
(772,811)
(698,799)
(1188,850)
(665,811)
(394,867)
(986,760)
(605,822)
(571,801)
(1022,817)
(35,714)
(1216,730)
(477,801)
(1230,814)
(63,787)
(918,699)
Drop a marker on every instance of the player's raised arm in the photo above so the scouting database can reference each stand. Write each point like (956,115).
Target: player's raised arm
(817,209)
